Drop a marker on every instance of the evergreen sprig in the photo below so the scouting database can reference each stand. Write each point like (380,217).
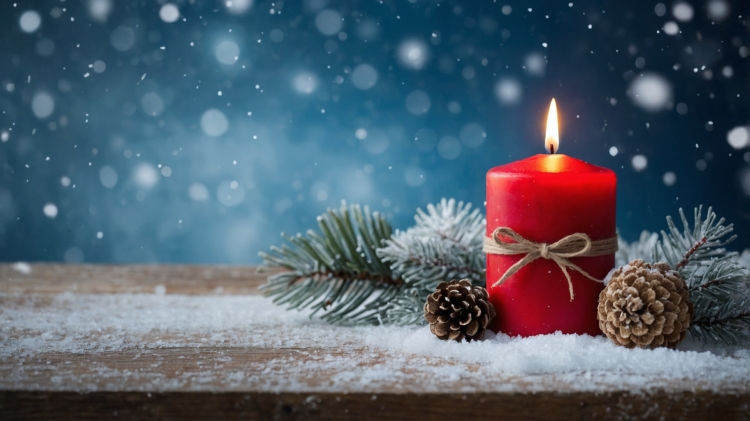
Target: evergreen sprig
(694,246)
(719,287)
(643,248)
(356,272)
(337,271)
(445,244)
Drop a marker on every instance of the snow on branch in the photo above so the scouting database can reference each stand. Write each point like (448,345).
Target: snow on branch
(719,284)
(445,243)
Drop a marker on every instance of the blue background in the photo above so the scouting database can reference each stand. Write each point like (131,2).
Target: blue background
(109,155)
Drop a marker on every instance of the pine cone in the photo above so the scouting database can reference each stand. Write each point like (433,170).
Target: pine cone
(458,311)
(645,306)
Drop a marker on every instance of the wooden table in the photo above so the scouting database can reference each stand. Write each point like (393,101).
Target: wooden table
(115,384)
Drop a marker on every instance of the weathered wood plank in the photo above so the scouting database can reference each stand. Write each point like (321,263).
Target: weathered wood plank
(52,278)
(245,382)
(222,369)
(365,407)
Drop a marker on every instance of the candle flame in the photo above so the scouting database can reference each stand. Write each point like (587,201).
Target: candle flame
(552,139)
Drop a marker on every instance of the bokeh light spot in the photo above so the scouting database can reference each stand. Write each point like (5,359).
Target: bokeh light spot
(214,123)
(682,11)
(152,104)
(198,192)
(508,91)
(413,54)
(227,52)
(50,210)
(650,91)
(738,137)
(30,21)
(639,162)
(99,10)
(449,148)
(328,22)
(669,178)
(472,135)
(238,7)
(145,175)
(364,76)
(108,177)
(418,102)
(169,13)
(305,83)
(122,38)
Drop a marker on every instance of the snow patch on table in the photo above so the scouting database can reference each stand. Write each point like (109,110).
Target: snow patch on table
(22,267)
(353,358)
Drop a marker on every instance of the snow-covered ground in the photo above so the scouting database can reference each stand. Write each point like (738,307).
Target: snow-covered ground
(351,357)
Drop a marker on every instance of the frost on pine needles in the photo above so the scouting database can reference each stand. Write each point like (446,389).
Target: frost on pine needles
(641,249)
(445,244)
(357,273)
(336,271)
(719,286)
(718,280)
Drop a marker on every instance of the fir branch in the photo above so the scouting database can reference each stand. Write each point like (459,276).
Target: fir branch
(727,326)
(686,259)
(728,319)
(445,244)
(681,249)
(643,248)
(338,271)
(719,286)
(406,309)
(355,272)
(706,285)
(450,267)
(327,274)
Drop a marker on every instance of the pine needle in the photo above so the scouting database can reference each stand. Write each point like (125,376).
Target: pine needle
(356,272)
(719,287)
(336,273)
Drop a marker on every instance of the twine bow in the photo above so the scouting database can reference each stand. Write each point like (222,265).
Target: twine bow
(561,251)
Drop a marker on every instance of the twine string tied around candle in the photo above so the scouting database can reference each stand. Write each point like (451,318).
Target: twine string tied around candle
(561,251)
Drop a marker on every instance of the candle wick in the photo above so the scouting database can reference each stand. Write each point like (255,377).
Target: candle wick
(552,149)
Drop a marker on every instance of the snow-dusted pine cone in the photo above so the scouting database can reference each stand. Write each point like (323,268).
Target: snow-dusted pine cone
(458,311)
(645,306)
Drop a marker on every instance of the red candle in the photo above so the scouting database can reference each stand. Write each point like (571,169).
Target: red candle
(545,198)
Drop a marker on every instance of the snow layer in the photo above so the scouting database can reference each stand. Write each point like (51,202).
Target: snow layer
(354,358)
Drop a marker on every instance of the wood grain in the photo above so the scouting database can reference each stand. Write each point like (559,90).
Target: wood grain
(366,407)
(120,384)
(50,278)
